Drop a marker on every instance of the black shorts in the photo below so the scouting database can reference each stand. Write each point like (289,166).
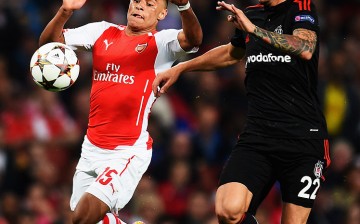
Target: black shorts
(298,165)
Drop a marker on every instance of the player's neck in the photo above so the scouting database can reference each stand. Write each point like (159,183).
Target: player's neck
(274,2)
(130,31)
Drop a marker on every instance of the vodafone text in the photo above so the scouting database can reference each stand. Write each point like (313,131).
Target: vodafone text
(112,75)
(268,58)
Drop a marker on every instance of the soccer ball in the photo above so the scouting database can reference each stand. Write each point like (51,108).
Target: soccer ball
(54,67)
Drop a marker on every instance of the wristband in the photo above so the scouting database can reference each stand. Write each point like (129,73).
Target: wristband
(183,7)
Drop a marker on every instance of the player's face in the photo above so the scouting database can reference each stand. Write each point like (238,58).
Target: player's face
(145,14)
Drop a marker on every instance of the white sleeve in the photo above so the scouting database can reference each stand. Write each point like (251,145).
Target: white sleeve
(168,41)
(169,49)
(84,37)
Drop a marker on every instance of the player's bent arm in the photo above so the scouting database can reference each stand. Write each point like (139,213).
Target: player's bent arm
(191,36)
(219,57)
(302,43)
(53,31)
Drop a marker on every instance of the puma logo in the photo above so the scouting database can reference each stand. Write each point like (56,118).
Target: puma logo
(107,44)
(112,187)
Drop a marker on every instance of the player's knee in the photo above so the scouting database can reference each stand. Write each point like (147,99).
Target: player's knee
(228,212)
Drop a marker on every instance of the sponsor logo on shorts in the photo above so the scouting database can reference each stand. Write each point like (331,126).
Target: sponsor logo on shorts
(112,187)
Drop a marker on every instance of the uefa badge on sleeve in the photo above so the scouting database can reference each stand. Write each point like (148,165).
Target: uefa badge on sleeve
(318,169)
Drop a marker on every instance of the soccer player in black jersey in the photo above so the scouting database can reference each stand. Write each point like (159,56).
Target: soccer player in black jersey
(285,137)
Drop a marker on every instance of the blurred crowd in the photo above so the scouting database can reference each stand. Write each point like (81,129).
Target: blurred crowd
(194,126)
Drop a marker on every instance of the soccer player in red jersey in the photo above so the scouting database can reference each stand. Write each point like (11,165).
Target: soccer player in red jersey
(285,136)
(126,58)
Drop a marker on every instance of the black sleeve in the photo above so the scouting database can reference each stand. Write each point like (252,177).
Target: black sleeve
(238,40)
(305,17)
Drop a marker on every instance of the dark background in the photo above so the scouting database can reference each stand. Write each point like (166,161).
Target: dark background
(194,126)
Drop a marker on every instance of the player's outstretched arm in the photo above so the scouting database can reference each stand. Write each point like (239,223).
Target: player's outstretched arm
(301,43)
(218,57)
(53,30)
(192,35)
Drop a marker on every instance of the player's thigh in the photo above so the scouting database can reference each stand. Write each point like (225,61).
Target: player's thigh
(248,173)
(294,214)
(89,209)
(81,181)
(86,208)
(302,175)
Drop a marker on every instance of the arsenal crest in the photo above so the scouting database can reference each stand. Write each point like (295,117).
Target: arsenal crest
(141,48)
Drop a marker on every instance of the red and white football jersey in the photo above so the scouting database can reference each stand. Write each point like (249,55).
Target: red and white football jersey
(124,68)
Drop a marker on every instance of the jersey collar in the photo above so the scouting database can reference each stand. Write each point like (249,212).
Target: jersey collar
(280,7)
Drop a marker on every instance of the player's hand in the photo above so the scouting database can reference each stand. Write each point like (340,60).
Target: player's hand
(164,80)
(238,18)
(179,2)
(72,5)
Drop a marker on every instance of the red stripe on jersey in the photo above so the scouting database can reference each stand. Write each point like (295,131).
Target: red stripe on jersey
(305,5)
(309,1)
(299,3)
(255,6)
(127,164)
(149,143)
(326,152)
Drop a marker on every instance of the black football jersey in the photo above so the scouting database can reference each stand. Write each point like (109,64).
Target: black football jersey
(281,88)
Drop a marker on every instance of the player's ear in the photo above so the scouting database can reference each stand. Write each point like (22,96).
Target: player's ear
(162,14)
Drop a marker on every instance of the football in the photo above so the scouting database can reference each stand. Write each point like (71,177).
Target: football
(54,67)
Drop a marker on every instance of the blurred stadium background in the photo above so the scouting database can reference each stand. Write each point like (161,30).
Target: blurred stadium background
(194,126)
